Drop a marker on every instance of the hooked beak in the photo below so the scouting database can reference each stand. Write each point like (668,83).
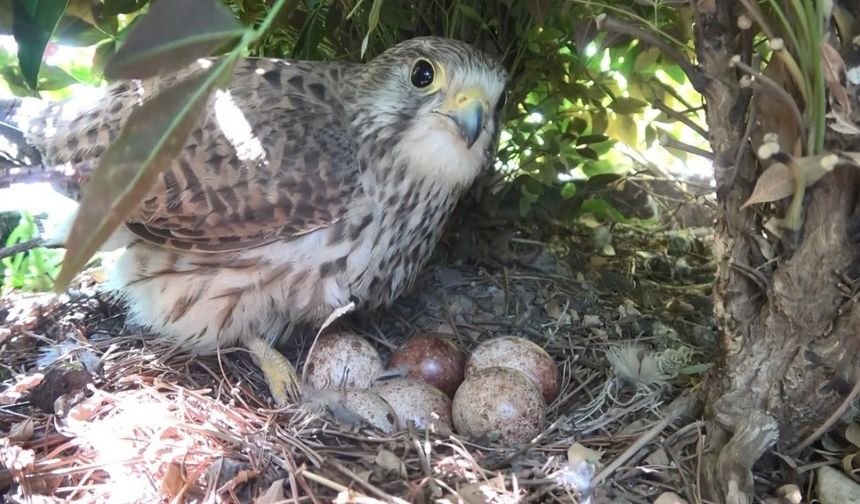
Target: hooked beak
(468,110)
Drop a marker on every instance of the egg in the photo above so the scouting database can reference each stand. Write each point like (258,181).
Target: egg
(416,401)
(499,402)
(522,355)
(372,408)
(342,360)
(433,358)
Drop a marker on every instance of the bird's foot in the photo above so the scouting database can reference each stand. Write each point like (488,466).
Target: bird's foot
(280,374)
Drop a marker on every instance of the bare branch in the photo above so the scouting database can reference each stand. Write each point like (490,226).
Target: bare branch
(679,116)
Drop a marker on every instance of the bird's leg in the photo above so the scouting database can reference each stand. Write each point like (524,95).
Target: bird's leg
(280,374)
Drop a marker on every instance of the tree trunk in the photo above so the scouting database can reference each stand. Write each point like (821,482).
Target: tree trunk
(789,330)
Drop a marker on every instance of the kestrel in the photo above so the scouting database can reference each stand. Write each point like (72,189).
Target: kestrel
(307,185)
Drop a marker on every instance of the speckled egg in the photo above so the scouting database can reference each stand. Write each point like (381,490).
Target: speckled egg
(342,360)
(371,407)
(522,355)
(433,358)
(499,402)
(416,401)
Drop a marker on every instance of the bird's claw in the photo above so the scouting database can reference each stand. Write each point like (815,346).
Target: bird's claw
(280,374)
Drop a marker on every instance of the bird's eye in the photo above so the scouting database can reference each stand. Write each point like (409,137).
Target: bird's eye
(422,73)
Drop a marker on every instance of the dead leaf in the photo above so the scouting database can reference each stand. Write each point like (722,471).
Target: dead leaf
(790,494)
(59,381)
(577,452)
(275,493)
(173,481)
(842,123)
(834,69)
(670,498)
(390,465)
(553,310)
(777,182)
(21,431)
(852,433)
(850,463)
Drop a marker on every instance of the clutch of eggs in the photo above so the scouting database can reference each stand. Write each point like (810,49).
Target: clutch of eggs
(499,392)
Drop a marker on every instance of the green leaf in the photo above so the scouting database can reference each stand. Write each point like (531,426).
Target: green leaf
(591,139)
(52,78)
(602,209)
(627,105)
(170,36)
(676,73)
(599,122)
(588,153)
(114,7)
(101,55)
(696,369)
(33,22)
(74,31)
(372,22)
(153,136)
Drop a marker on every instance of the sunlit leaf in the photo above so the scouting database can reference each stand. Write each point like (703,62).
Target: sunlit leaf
(372,22)
(154,134)
(624,128)
(33,22)
(627,105)
(646,61)
(75,32)
(170,36)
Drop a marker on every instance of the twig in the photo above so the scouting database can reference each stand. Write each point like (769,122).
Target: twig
(680,407)
(322,480)
(694,73)
(21,247)
(367,486)
(671,143)
(679,116)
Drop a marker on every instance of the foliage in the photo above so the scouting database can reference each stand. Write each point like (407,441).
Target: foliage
(33,270)
(579,98)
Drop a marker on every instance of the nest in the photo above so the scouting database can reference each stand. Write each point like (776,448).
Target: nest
(95,411)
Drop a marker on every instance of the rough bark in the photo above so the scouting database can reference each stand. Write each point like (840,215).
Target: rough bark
(788,332)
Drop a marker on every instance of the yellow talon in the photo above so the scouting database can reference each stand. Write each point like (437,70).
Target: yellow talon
(280,374)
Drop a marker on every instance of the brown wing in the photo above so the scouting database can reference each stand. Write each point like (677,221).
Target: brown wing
(272,158)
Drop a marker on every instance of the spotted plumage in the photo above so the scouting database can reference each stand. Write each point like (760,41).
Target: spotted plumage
(305,186)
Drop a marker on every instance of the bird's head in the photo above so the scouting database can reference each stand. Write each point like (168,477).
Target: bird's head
(434,104)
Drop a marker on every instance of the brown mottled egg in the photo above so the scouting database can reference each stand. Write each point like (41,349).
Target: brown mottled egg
(499,401)
(416,401)
(432,358)
(522,355)
(371,407)
(342,360)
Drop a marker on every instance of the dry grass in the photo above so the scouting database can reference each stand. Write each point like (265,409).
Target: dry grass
(151,424)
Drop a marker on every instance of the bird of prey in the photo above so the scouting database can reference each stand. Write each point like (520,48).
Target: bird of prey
(305,186)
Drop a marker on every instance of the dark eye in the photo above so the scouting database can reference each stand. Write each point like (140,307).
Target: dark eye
(502,101)
(422,74)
